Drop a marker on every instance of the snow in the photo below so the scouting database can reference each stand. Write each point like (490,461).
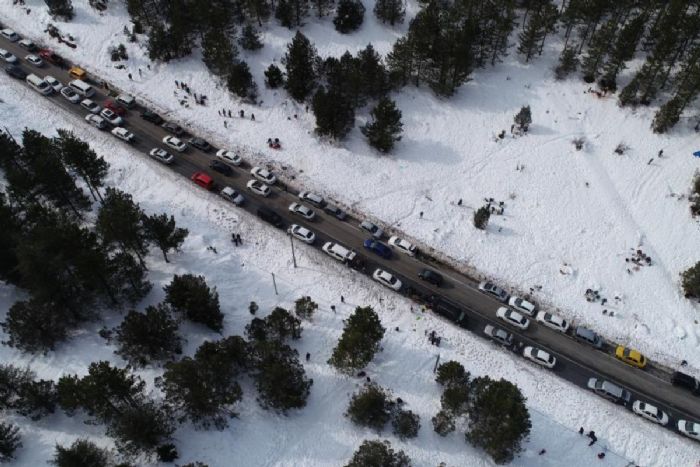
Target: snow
(575,212)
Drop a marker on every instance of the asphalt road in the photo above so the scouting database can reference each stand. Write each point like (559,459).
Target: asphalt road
(576,361)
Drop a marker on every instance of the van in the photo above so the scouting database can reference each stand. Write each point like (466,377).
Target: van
(10,35)
(82,88)
(39,85)
(77,73)
(589,337)
(126,100)
(610,391)
(339,252)
(270,216)
(681,379)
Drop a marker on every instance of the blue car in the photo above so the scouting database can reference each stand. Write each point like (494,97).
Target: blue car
(378,248)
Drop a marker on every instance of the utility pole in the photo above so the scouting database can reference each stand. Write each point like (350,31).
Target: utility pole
(291,241)
(274,283)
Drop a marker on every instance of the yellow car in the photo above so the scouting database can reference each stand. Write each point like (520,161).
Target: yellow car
(631,357)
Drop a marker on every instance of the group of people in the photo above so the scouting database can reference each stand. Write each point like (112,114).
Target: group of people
(274,143)
(236,239)
(200,99)
(434,339)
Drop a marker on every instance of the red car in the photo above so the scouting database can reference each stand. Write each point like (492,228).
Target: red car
(203,180)
(51,57)
(114,107)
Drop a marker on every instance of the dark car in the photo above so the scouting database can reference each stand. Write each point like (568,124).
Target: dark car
(431,276)
(114,107)
(173,128)
(52,57)
(589,337)
(378,248)
(335,211)
(681,379)
(151,117)
(220,167)
(270,216)
(15,71)
(200,144)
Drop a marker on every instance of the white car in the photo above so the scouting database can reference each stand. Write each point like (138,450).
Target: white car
(690,429)
(111,117)
(512,317)
(650,412)
(552,321)
(386,279)
(258,187)
(229,157)
(303,211)
(174,143)
(54,83)
(34,60)
(7,56)
(263,175)
(96,121)
(10,35)
(372,228)
(161,155)
(70,95)
(302,233)
(539,356)
(90,106)
(402,245)
(27,44)
(232,195)
(522,305)
(313,198)
(123,134)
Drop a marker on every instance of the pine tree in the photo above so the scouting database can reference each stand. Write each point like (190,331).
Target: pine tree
(128,278)
(147,337)
(273,77)
(34,326)
(79,157)
(360,341)
(687,89)
(454,399)
(279,377)
(481,217)
(598,49)
(452,373)
(401,62)
(374,80)
(390,11)
(385,128)
(304,307)
(284,13)
(163,233)
(622,51)
(60,9)
(10,236)
(322,7)
(348,16)
(119,222)
(82,453)
(22,392)
(334,114)
(370,407)
(10,440)
(250,38)
(443,423)
(300,61)
(240,81)
(690,280)
(378,454)
(523,119)
(540,22)
(191,296)
(406,424)
(667,116)
(218,53)
(568,63)
(498,418)
(142,429)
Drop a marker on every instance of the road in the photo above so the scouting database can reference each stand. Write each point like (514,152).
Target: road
(576,361)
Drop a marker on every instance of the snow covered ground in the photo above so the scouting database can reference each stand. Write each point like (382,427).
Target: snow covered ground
(574,212)
(319,435)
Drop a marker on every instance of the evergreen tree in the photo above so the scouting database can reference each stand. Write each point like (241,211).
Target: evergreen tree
(218,53)
(540,22)
(687,90)
(250,38)
(36,326)
(390,11)
(598,49)
(240,81)
(304,307)
(163,233)
(60,9)
(690,280)
(128,278)
(284,13)
(370,407)
(273,77)
(401,62)
(452,373)
(281,325)
(22,392)
(385,128)
(454,399)
(279,377)
(498,418)
(623,50)
(360,341)
(79,157)
(119,222)
(481,217)
(378,454)
(191,296)
(348,16)
(167,452)
(568,63)
(523,119)
(82,453)
(443,423)
(322,7)
(300,61)
(147,337)
(406,424)
(667,116)
(10,236)
(374,80)
(141,429)
(10,440)
(334,113)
